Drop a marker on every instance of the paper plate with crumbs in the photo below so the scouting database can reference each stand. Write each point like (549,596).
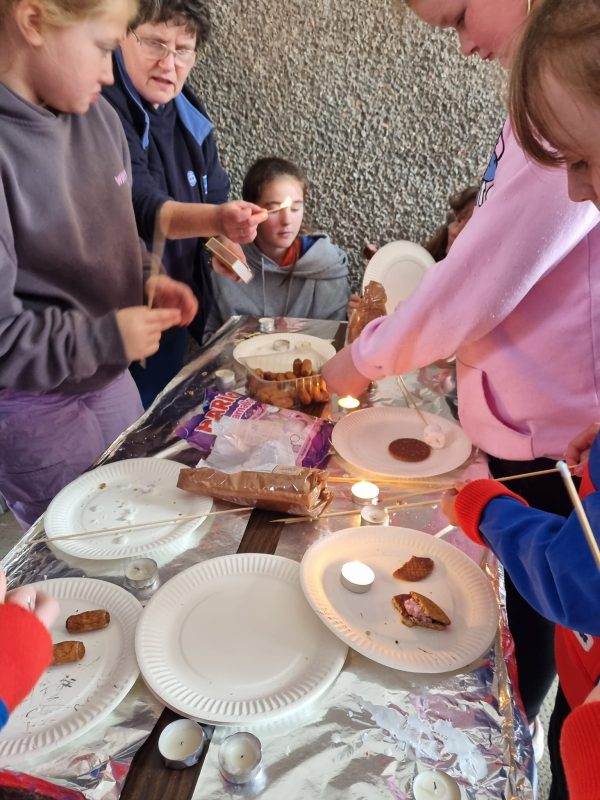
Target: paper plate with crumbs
(370,623)
(71,698)
(137,490)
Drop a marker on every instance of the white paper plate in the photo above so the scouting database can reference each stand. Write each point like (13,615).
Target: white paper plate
(233,641)
(118,494)
(71,698)
(370,624)
(260,350)
(399,267)
(363,437)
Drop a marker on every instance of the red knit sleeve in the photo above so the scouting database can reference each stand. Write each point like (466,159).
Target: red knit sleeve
(580,750)
(472,500)
(25,653)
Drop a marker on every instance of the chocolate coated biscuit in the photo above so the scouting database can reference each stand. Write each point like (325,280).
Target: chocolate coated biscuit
(409,449)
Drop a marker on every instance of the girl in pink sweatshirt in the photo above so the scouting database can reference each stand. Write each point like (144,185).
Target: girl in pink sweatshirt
(517,300)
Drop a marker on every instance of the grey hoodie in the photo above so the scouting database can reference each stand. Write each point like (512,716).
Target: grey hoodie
(69,250)
(317,287)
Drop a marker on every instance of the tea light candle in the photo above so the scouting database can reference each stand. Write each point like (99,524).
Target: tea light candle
(141,573)
(364,493)
(266,324)
(435,785)
(374,515)
(225,379)
(181,744)
(240,757)
(357,577)
(348,403)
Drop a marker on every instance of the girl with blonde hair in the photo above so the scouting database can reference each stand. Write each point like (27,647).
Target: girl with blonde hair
(74,273)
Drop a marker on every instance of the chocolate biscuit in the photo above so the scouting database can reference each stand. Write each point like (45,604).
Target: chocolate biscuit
(409,449)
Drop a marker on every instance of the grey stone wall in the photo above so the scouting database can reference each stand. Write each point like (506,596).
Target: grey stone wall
(381,111)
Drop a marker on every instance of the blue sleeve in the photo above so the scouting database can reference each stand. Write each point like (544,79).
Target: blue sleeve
(146,195)
(548,559)
(3,714)
(217,179)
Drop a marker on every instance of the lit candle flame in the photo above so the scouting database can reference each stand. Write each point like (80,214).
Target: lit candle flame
(348,402)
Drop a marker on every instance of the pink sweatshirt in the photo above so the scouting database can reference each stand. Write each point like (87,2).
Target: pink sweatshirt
(518,300)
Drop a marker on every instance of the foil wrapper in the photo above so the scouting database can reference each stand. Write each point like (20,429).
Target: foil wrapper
(375,728)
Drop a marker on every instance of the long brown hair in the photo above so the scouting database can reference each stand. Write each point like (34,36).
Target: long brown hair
(561,39)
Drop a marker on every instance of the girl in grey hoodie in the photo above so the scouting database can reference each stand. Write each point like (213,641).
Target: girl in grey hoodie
(295,275)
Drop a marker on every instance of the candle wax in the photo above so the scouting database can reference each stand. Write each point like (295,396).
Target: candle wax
(348,402)
(240,757)
(142,572)
(356,576)
(435,785)
(181,743)
(365,493)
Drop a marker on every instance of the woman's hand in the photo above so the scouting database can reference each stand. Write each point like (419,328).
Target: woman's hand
(578,450)
(238,220)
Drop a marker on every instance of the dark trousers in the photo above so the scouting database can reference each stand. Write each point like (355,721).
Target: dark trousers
(558,788)
(533,635)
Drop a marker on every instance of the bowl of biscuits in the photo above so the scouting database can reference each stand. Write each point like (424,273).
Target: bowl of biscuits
(283,369)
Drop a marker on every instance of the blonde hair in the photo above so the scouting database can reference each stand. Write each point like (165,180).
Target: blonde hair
(61,13)
(561,39)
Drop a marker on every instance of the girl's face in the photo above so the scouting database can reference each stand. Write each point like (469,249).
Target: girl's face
(282,227)
(485,28)
(576,121)
(71,64)
(159,76)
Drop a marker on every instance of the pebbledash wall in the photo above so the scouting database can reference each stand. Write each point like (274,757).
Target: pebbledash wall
(382,112)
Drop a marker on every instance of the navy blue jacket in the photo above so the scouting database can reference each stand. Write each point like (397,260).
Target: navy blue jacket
(194,175)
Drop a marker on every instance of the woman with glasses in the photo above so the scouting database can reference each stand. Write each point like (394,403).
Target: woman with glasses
(180,188)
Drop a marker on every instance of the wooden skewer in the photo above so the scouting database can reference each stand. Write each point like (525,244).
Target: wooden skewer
(580,511)
(287,203)
(138,525)
(419,504)
(327,515)
(534,474)
(410,399)
(409,483)
(158,248)
(443,485)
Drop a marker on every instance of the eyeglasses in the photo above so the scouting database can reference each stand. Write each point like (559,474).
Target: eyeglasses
(151,48)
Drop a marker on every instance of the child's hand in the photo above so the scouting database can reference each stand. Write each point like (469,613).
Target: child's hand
(238,220)
(168,293)
(41,604)
(353,304)
(448,501)
(141,327)
(578,450)
(594,695)
(342,377)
